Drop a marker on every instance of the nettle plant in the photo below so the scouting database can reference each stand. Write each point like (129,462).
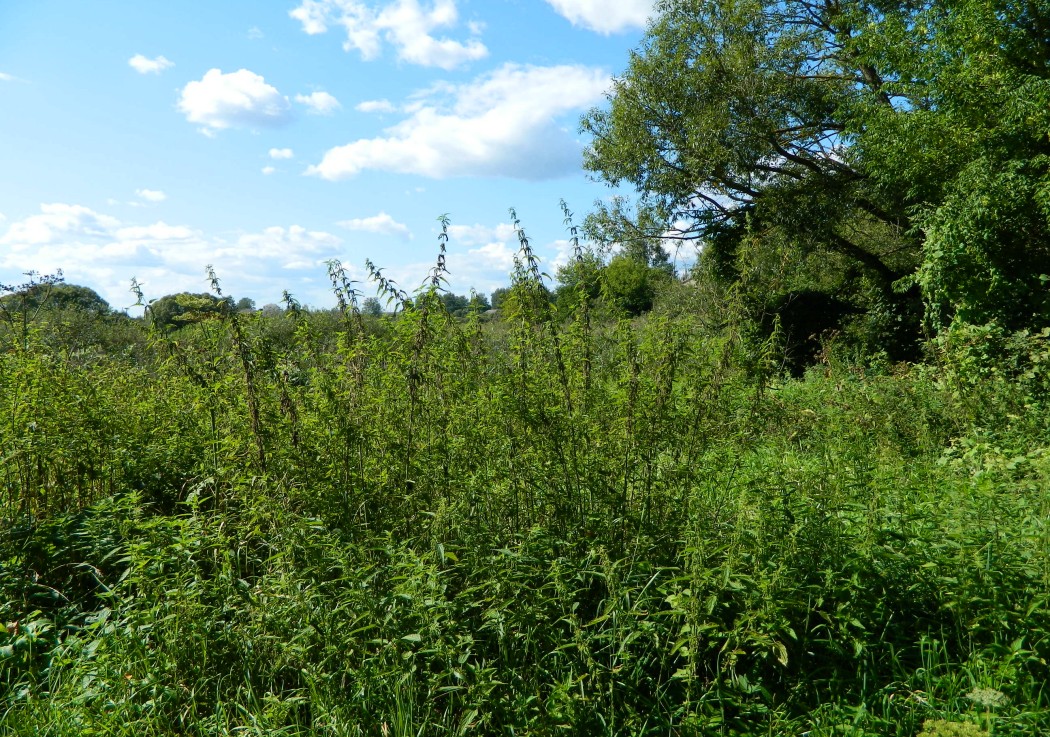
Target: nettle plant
(20,304)
(556,518)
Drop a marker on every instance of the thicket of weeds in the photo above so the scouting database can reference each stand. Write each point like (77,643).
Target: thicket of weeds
(418,525)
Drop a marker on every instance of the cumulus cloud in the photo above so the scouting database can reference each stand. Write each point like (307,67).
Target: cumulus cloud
(563,253)
(479,235)
(407,25)
(382,224)
(603,16)
(55,222)
(157,232)
(281,153)
(151,195)
(144,65)
(240,99)
(497,256)
(294,247)
(483,269)
(319,103)
(501,124)
(489,256)
(103,252)
(268,170)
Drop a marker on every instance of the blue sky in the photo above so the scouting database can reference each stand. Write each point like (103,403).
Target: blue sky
(148,139)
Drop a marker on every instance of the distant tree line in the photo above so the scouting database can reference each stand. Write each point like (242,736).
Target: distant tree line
(626,284)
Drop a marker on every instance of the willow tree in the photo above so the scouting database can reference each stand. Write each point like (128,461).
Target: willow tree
(969,153)
(836,134)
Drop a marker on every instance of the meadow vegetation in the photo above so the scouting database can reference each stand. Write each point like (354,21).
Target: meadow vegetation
(547,521)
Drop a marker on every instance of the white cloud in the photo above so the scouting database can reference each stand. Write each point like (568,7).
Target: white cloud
(237,99)
(375,106)
(499,256)
(54,223)
(151,195)
(484,269)
(255,33)
(102,252)
(603,16)
(158,231)
(563,254)
(294,247)
(382,224)
(4,77)
(487,264)
(488,258)
(407,25)
(281,153)
(144,65)
(683,252)
(475,235)
(320,103)
(268,170)
(501,124)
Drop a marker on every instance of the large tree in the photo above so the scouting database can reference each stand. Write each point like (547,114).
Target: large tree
(969,151)
(175,310)
(840,133)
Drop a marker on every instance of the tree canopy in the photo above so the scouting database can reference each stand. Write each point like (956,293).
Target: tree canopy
(876,146)
(58,296)
(174,310)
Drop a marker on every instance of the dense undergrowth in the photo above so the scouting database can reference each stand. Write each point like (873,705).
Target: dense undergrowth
(418,525)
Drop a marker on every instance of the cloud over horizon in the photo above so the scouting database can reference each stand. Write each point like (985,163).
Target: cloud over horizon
(106,252)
